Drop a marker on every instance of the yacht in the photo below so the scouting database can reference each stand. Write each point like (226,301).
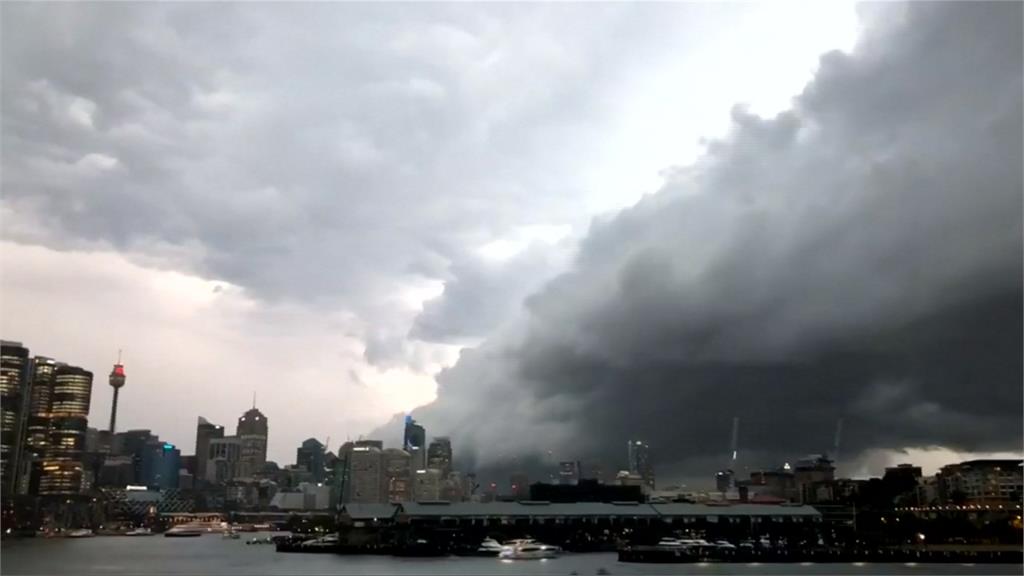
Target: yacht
(139,532)
(184,532)
(80,533)
(325,543)
(671,543)
(528,550)
(489,547)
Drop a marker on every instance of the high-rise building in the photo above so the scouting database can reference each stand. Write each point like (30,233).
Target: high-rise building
(453,487)
(69,409)
(310,455)
(397,476)
(252,433)
(14,377)
(519,483)
(161,462)
(37,426)
(365,474)
(415,443)
(568,472)
(439,455)
(116,380)
(640,462)
(222,458)
(592,471)
(724,480)
(426,485)
(205,432)
(981,482)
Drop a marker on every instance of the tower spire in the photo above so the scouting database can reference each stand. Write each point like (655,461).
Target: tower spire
(117,378)
(253,399)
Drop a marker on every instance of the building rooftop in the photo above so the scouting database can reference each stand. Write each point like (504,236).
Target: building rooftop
(357,511)
(535,508)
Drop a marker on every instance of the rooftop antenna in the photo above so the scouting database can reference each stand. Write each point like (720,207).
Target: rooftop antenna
(253,399)
(835,443)
(118,355)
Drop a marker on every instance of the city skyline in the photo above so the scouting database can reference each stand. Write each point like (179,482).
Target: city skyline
(247,456)
(536,245)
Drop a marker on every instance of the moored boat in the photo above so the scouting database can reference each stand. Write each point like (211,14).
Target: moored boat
(139,532)
(528,550)
(184,532)
(80,533)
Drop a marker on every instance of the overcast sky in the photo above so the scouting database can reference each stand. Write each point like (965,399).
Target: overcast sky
(586,222)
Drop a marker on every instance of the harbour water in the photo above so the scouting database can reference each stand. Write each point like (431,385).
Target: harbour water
(211,554)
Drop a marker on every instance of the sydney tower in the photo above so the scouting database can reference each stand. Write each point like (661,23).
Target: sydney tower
(116,382)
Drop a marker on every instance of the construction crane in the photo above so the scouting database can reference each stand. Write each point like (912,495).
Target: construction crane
(734,446)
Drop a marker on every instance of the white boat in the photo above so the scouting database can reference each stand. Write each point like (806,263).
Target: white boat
(230,535)
(725,545)
(80,533)
(528,550)
(184,532)
(325,542)
(139,532)
(671,543)
(684,543)
(489,547)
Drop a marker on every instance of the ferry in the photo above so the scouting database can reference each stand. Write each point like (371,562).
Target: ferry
(139,532)
(80,533)
(528,550)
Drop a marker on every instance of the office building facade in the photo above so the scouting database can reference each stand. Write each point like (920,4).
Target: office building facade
(310,455)
(14,378)
(252,432)
(439,455)
(69,411)
(397,475)
(415,443)
(205,432)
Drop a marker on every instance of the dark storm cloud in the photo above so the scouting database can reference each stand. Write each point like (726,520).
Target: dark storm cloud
(858,256)
(304,152)
(480,295)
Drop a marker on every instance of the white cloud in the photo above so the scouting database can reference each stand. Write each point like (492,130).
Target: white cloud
(97,162)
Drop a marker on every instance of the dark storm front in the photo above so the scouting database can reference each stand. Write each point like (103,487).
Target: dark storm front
(212,555)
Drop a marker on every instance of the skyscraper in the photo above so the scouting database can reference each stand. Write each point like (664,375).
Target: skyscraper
(426,485)
(205,431)
(69,409)
(415,443)
(222,458)
(14,372)
(37,429)
(568,472)
(160,464)
(397,475)
(311,457)
(365,478)
(439,455)
(252,431)
(640,462)
(116,382)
